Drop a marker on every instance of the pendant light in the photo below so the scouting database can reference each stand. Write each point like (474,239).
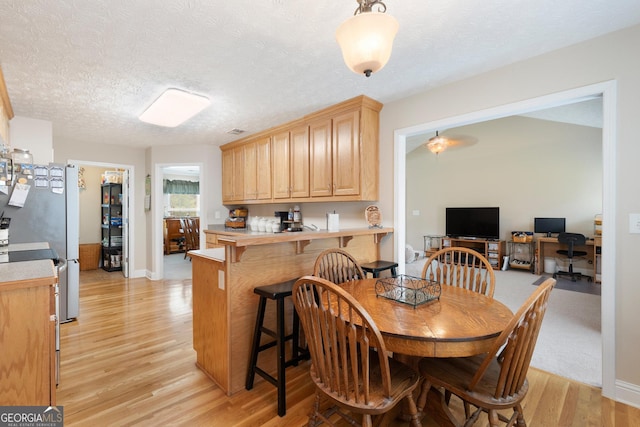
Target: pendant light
(366,39)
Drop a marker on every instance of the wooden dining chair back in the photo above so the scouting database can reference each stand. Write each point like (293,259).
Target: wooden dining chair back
(349,362)
(337,266)
(191,234)
(497,380)
(462,267)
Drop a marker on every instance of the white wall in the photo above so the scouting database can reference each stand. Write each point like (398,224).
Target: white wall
(34,135)
(611,57)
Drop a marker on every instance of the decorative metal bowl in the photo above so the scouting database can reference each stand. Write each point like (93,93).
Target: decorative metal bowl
(408,289)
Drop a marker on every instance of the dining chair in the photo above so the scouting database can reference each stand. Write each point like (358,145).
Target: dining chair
(462,267)
(496,380)
(337,266)
(191,234)
(350,366)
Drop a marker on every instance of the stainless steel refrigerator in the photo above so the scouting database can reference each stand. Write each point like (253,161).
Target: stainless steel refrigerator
(50,214)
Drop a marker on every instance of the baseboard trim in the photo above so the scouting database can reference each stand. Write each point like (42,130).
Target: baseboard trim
(628,393)
(151,275)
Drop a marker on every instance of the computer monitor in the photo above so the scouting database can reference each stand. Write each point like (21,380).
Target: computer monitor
(549,226)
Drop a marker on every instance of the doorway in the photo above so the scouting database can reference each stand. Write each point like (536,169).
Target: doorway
(181,201)
(607,91)
(91,212)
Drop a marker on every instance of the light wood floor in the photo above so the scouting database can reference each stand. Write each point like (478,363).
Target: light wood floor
(128,360)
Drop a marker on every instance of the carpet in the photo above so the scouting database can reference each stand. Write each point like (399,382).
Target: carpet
(583,286)
(570,341)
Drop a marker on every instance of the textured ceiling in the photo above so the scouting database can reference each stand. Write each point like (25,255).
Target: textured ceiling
(92,66)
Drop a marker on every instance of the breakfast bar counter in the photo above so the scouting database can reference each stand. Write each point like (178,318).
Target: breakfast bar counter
(232,265)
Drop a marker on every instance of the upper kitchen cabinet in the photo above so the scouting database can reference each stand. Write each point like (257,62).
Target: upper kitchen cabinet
(291,162)
(329,155)
(335,156)
(6,112)
(257,169)
(344,151)
(233,175)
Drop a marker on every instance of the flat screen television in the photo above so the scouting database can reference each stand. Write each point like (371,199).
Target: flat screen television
(549,226)
(481,223)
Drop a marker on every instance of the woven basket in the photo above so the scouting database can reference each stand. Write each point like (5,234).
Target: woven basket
(521,237)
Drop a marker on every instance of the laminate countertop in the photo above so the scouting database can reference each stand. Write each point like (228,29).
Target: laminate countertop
(246,237)
(13,272)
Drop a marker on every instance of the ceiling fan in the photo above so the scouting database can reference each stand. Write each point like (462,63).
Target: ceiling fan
(439,143)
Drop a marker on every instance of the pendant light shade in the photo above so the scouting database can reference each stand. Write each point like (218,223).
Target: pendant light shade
(366,39)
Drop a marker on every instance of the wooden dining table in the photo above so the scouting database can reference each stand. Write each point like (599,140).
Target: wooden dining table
(459,323)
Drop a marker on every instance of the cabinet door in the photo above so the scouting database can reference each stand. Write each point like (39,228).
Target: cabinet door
(250,163)
(263,168)
(346,154)
(281,172)
(232,175)
(320,174)
(27,339)
(300,162)
(227,175)
(255,169)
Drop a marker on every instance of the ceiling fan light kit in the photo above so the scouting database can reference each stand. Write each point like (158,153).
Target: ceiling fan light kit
(437,144)
(366,39)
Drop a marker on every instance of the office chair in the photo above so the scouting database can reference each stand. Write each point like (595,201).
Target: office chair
(571,240)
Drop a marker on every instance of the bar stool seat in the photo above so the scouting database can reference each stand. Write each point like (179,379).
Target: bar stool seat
(376,267)
(276,292)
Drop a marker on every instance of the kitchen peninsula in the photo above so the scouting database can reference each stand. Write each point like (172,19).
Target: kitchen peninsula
(232,265)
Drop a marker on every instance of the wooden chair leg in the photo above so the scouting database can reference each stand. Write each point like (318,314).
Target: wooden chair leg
(494,420)
(422,398)
(412,411)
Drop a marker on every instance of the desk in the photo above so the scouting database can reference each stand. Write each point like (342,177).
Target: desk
(461,323)
(173,236)
(547,247)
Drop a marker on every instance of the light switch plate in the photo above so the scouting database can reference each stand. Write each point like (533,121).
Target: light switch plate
(634,223)
(416,212)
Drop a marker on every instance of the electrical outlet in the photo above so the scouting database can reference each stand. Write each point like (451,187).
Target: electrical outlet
(415,212)
(634,223)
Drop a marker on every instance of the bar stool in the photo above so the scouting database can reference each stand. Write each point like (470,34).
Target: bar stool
(376,267)
(277,292)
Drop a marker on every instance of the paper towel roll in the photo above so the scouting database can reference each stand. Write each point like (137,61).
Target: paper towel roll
(333,222)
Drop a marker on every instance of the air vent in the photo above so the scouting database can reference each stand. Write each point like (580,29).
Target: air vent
(235,131)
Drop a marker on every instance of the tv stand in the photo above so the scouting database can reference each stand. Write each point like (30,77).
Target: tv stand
(492,250)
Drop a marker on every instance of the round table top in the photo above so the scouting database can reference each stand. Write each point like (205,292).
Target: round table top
(460,323)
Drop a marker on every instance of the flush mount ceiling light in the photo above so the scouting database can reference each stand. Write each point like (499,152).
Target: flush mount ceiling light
(174,107)
(437,144)
(366,39)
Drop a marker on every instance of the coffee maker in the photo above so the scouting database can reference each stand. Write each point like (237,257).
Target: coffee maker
(286,221)
(282,216)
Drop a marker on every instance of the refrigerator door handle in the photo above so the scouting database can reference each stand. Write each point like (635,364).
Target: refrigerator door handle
(62,266)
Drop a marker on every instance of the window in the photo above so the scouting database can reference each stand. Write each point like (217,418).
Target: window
(181,205)
(181,198)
